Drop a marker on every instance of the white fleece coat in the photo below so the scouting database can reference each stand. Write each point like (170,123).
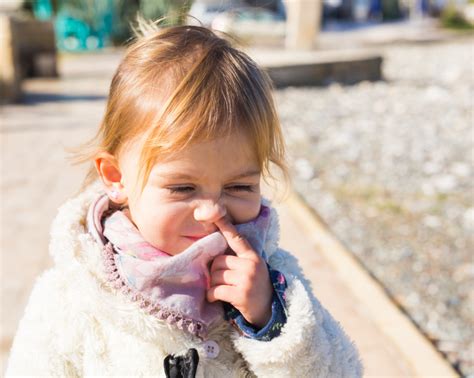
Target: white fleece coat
(75,324)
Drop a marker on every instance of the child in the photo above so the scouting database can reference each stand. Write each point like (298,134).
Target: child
(167,263)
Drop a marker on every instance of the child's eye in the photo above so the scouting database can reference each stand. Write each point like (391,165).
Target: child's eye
(241,188)
(181,189)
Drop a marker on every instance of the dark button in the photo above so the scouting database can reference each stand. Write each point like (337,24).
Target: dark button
(182,366)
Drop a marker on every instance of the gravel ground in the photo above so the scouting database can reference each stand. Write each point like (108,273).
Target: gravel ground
(389,167)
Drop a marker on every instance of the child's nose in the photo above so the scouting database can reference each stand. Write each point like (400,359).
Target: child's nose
(209,211)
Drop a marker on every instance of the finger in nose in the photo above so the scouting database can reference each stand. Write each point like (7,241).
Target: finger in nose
(209,212)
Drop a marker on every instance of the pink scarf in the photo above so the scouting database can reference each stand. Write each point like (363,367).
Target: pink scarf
(173,288)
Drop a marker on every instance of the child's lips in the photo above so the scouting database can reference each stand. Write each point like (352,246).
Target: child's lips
(195,237)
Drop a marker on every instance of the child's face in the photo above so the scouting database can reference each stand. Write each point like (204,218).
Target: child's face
(171,209)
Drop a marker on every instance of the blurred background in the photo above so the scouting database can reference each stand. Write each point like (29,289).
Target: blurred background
(376,102)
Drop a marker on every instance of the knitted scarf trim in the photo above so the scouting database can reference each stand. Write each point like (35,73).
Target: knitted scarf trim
(171,317)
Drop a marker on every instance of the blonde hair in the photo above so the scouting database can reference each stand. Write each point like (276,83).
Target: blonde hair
(184,84)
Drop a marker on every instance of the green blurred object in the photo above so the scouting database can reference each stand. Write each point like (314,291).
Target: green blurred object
(84,24)
(391,10)
(125,12)
(43,10)
(451,17)
(93,24)
(175,11)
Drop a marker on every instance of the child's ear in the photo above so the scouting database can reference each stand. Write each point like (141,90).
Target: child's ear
(109,172)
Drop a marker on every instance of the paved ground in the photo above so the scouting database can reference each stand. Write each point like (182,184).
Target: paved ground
(36,179)
(389,166)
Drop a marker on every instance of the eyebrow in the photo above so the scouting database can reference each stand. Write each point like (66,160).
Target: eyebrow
(182,176)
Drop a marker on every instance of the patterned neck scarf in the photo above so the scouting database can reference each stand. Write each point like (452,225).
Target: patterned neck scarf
(173,288)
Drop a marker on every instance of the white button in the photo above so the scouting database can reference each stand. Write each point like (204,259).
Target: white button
(211,348)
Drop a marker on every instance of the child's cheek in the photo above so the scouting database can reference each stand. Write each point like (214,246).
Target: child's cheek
(246,211)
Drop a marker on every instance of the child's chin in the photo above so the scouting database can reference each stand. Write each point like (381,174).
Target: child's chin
(185,243)
(165,250)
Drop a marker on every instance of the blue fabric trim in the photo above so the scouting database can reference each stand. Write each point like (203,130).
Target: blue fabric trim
(278,319)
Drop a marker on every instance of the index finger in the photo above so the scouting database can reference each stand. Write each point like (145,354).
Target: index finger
(236,241)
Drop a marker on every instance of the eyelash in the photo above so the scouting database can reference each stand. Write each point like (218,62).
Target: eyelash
(242,188)
(181,189)
(188,189)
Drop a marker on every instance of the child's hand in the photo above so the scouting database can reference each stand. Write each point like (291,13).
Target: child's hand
(241,280)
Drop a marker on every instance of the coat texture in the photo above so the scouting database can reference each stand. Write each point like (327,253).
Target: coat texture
(75,324)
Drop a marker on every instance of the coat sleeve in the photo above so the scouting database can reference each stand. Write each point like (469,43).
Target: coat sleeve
(311,343)
(38,346)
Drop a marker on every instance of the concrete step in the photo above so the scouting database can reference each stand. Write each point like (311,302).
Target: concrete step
(319,67)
